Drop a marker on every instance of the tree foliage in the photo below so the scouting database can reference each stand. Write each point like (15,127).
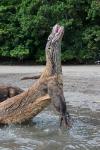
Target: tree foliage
(25,25)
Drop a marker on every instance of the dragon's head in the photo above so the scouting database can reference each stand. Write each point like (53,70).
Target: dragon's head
(53,48)
(56,34)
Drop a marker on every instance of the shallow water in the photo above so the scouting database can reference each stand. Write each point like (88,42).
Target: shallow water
(82,93)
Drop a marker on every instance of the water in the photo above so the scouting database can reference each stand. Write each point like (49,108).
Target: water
(82,93)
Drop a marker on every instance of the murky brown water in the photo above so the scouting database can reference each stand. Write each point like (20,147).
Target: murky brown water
(82,92)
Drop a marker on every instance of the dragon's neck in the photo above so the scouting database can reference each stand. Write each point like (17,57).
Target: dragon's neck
(53,52)
(53,59)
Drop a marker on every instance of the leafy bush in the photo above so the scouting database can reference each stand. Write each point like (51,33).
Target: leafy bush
(25,25)
(19,52)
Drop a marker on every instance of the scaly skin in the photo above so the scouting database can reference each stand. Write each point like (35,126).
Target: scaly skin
(53,72)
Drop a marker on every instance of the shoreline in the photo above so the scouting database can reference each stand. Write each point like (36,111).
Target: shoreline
(39,68)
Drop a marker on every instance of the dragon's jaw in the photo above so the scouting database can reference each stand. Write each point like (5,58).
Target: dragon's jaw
(58,32)
(53,49)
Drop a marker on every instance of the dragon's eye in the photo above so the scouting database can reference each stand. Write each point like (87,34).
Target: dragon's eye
(48,38)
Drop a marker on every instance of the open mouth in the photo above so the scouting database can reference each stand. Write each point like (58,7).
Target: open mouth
(57,28)
(58,32)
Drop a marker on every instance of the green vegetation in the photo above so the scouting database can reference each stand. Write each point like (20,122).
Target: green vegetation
(25,25)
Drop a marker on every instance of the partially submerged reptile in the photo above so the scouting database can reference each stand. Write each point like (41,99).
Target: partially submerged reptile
(55,82)
(8,91)
(54,72)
